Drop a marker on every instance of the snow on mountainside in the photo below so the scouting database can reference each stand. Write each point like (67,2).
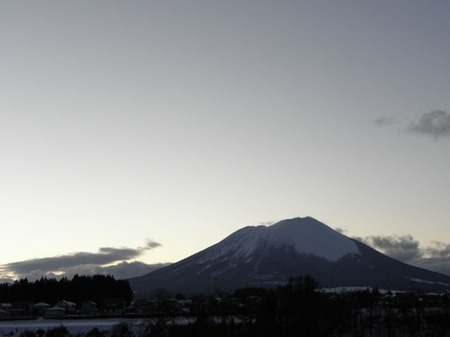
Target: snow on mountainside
(267,256)
(307,236)
(313,237)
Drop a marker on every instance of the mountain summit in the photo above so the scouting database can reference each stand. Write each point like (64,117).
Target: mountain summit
(267,256)
(309,236)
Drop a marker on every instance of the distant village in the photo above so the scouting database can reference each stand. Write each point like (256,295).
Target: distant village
(106,297)
(61,309)
(82,296)
(299,306)
(241,302)
(110,307)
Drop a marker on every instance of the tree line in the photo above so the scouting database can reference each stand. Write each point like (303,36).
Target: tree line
(79,289)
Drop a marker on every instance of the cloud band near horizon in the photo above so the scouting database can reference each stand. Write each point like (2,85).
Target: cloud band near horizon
(60,264)
(119,261)
(405,248)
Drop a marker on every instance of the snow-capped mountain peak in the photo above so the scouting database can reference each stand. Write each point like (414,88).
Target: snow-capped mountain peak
(306,235)
(310,236)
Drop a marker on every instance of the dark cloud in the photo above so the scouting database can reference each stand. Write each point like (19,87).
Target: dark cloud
(438,264)
(434,123)
(405,248)
(126,270)
(122,270)
(81,262)
(436,257)
(438,249)
(384,121)
(6,279)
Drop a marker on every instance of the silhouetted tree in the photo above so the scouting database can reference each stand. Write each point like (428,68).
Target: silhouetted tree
(81,288)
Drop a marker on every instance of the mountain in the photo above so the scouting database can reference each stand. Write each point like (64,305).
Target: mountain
(267,256)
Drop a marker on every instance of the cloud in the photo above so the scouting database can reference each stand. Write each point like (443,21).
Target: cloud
(126,270)
(77,263)
(384,121)
(403,248)
(122,270)
(435,256)
(438,249)
(434,123)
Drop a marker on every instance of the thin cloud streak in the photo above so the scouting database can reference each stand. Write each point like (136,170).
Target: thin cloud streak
(384,121)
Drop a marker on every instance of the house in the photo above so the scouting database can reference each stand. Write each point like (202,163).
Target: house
(114,306)
(4,314)
(88,308)
(5,310)
(144,306)
(70,307)
(55,312)
(40,308)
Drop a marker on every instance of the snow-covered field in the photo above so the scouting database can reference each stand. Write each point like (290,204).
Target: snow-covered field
(79,327)
(15,328)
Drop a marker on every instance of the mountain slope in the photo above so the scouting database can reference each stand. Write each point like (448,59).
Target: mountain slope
(260,256)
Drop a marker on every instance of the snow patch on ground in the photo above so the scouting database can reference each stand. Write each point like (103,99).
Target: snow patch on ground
(343,290)
(429,282)
(15,328)
(138,327)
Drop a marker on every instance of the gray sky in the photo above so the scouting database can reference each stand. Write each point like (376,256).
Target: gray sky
(182,121)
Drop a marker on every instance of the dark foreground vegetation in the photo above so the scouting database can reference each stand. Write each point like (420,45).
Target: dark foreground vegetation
(296,309)
(299,309)
(79,289)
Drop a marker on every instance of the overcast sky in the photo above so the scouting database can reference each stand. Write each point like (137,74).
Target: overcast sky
(182,121)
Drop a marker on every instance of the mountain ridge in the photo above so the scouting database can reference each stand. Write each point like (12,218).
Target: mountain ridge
(266,256)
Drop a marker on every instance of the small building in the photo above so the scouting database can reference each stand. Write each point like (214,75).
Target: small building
(55,312)
(5,310)
(39,309)
(88,308)
(70,307)
(4,314)
(114,306)
(144,306)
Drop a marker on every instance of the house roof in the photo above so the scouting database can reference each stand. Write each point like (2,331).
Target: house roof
(41,304)
(56,308)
